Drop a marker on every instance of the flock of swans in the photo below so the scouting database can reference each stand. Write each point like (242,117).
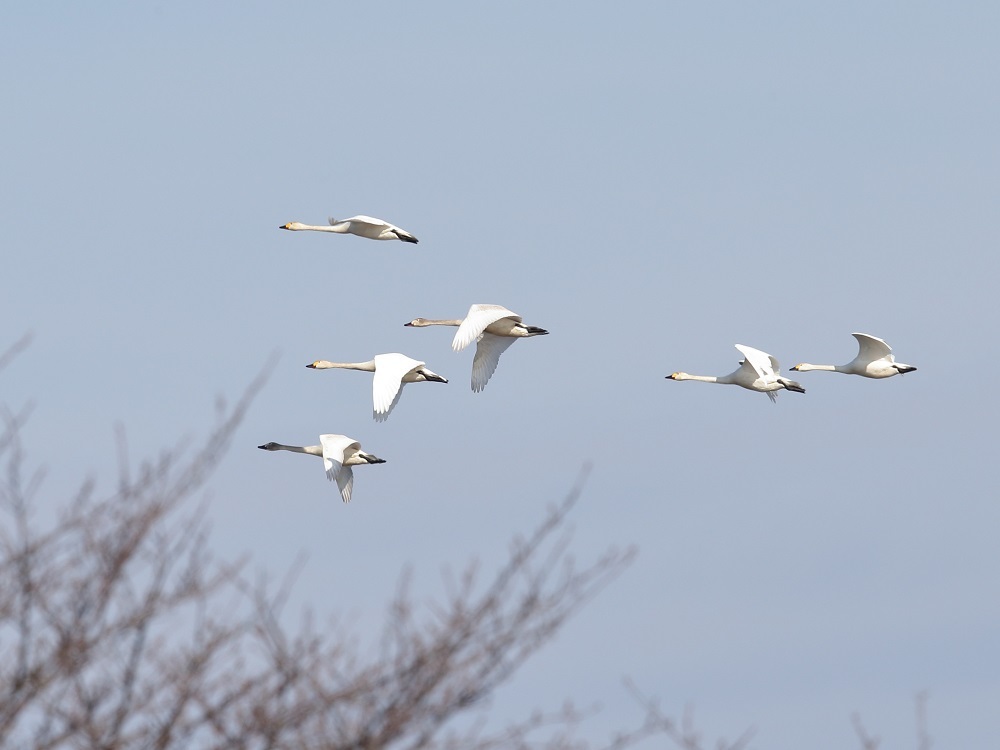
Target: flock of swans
(494,328)
(761,372)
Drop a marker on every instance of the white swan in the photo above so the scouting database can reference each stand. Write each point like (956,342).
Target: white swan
(392,372)
(362,226)
(494,328)
(758,372)
(339,454)
(874,360)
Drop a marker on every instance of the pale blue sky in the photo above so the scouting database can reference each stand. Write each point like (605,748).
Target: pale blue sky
(651,182)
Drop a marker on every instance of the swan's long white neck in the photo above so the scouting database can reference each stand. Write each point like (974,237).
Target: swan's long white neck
(703,378)
(312,450)
(426,322)
(805,367)
(324,365)
(335,228)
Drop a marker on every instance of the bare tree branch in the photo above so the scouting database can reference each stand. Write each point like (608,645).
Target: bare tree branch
(867,741)
(14,349)
(923,738)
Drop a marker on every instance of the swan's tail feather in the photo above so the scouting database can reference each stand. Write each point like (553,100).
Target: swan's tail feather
(791,385)
(405,236)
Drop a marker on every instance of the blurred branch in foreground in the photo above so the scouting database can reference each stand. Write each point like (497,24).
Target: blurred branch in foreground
(14,349)
(870,742)
(119,629)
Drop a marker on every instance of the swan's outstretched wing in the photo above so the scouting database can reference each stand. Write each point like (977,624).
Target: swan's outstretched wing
(381,416)
(871,347)
(345,482)
(488,352)
(361,219)
(476,321)
(390,369)
(757,361)
(336,449)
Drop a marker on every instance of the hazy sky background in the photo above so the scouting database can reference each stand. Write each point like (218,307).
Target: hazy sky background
(653,183)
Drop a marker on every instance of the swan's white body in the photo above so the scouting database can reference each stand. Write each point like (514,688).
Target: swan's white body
(874,360)
(758,371)
(494,328)
(362,226)
(392,372)
(339,454)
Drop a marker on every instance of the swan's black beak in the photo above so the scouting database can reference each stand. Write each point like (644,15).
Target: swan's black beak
(262,447)
(283,226)
(436,378)
(407,325)
(312,366)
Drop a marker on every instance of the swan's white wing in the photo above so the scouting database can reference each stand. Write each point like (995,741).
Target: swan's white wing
(361,219)
(775,367)
(388,381)
(345,481)
(381,416)
(335,448)
(487,358)
(749,373)
(476,321)
(871,347)
(773,396)
(756,360)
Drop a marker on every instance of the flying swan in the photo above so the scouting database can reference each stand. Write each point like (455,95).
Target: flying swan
(392,372)
(758,372)
(339,454)
(874,360)
(493,327)
(362,226)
